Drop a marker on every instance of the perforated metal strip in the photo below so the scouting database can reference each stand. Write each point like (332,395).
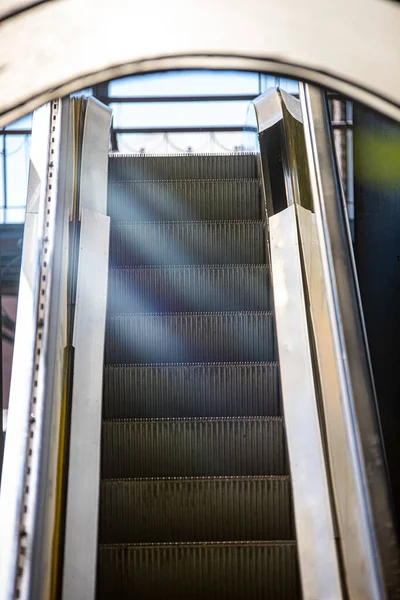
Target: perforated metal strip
(47,242)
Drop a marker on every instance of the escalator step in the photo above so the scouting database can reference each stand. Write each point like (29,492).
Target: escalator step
(212,571)
(216,390)
(192,243)
(190,338)
(195,509)
(193,447)
(189,289)
(125,167)
(191,200)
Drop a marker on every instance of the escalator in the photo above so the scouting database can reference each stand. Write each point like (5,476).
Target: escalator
(193,400)
(195,493)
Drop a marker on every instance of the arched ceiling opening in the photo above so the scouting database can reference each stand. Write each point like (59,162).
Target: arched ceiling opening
(52,48)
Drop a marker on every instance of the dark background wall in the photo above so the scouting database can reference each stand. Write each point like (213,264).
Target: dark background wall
(377,250)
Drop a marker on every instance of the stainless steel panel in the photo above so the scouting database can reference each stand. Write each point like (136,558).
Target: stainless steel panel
(214,390)
(190,338)
(21,469)
(94,157)
(48,487)
(318,559)
(195,509)
(84,455)
(81,521)
(340,450)
(189,289)
(193,243)
(369,546)
(193,447)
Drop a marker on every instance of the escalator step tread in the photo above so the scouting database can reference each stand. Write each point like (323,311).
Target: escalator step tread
(214,571)
(190,338)
(200,166)
(193,447)
(189,289)
(195,494)
(191,390)
(187,243)
(195,509)
(184,200)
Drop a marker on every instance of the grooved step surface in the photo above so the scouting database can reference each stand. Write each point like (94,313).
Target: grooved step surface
(195,509)
(189,289)
(193,447)
(216,390)
(200,166)
(195,494)
(193,243)
(225,571)
(193,200)
(190,338)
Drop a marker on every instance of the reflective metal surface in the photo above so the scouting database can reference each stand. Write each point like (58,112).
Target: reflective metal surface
(318,559)
(12,497)
(45,493)
(84,457)
(368,538)
(80,554)
(293,38)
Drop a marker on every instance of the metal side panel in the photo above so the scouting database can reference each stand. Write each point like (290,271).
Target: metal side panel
(374,571)
(45,550)
(94,165)
(15,457)
(84,458)
(313,516)
(352,537)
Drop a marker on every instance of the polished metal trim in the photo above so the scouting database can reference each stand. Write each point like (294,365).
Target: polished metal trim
(41,407)
(292,38)
(340,450)
(268,109)
(12,494)
(48,495)
(319,568)
(80,552)
(94,161)
(362,494)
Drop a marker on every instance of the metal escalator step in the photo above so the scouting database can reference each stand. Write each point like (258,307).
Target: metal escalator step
(202,390)
(193,447)
(212,571)
(189,289)
(190,200)
(190,338)
(195,509)
(196,166)
(192,243)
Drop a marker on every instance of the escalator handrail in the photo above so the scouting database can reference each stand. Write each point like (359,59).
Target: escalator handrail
(357,391)
(309,170)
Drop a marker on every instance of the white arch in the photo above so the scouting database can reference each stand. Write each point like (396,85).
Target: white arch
(63,45)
